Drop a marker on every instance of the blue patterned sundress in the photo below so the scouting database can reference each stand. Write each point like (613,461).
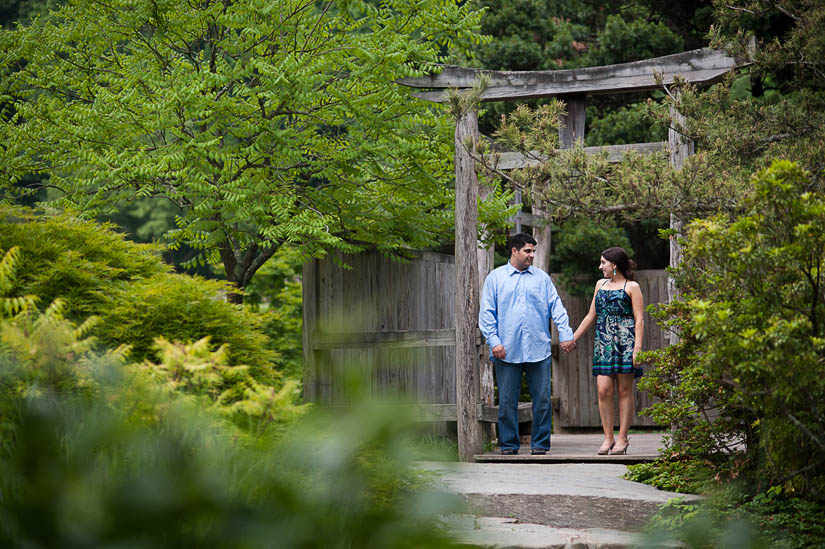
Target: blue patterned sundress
(615,334)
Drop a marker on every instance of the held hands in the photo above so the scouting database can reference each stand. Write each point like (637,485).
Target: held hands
(567,346)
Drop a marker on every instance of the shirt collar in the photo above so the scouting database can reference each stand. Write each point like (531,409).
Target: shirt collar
(511,269)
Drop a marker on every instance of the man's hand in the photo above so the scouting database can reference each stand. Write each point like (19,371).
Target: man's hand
(498,352)
(568,346)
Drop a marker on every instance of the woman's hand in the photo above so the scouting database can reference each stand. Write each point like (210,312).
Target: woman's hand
(635,360)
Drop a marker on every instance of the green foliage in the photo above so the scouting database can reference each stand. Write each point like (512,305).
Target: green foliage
(193,369)
(788,43)
(751,312)
(576,253)
(265,122)
(96,453)
(184,308)
(96,272)
(276,291)
(684,476)
(24,11)
(11,305)
(84,473)
(631,36)
(625,125)
(562,34)
(570,183)
(732,519)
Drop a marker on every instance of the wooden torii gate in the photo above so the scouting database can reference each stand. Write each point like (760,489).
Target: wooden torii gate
(702,66)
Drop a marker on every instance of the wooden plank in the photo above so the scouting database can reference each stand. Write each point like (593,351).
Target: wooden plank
(513,160)
(309,297)
(489,413)
(703,66)
(466,288)
(323,340)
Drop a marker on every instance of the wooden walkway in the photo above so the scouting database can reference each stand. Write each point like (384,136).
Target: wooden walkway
(582,448)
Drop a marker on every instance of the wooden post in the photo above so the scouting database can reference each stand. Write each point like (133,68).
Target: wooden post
(309,290)
(486,259)
(466,289)
(572,127)
(680,148)
(571,130)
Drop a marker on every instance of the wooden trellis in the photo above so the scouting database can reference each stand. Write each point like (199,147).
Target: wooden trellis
(702,67)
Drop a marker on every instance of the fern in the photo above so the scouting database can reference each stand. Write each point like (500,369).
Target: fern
(12,305)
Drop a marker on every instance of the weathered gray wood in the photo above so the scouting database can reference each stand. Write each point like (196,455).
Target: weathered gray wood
(518,218)
(412,302)
(466,288)
(395,339)
(490,413)
(681,147)
(309,298)
(703,66)
(485,256)
(514,160)
(571,129)
(543,237)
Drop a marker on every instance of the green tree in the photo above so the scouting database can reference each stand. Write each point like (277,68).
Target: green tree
(576,253)
(265,122)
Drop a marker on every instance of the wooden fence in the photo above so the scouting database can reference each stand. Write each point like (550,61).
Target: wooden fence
(385,329)
(390,323)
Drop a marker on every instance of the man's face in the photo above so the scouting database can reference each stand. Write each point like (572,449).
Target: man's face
(523,258)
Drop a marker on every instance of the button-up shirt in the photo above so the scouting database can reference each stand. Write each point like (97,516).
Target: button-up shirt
(516,308)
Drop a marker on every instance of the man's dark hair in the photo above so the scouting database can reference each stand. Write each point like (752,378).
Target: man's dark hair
(518,241)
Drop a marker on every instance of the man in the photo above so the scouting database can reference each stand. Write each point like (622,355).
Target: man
(517,304)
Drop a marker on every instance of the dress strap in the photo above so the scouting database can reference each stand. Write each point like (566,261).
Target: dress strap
(606,280)
(625,284)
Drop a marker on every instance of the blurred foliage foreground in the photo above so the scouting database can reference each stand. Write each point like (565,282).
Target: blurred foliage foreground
(190,440)
(95,453)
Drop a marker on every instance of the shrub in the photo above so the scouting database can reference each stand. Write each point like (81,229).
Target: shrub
(752,313)
(96,272)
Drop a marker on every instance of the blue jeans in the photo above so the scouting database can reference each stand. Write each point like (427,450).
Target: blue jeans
(508,377)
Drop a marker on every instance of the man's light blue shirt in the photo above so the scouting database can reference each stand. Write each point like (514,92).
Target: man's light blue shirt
(516,308)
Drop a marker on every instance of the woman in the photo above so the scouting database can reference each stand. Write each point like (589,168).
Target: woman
(618,311)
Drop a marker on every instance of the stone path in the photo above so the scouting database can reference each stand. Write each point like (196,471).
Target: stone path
(538,503)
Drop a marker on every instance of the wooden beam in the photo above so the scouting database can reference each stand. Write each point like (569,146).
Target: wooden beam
(324,341)
(470,440)
(490,413)
(514,160)
(702,66)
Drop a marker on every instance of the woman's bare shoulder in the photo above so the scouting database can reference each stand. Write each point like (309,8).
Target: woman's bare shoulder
(633,286)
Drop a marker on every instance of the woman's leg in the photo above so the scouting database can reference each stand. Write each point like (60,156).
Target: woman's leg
(605,388)
(627,406)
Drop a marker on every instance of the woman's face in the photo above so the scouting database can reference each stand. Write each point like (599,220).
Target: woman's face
(606,267)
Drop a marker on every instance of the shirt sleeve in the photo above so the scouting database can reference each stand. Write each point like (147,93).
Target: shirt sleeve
(488,313)
(559,314)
